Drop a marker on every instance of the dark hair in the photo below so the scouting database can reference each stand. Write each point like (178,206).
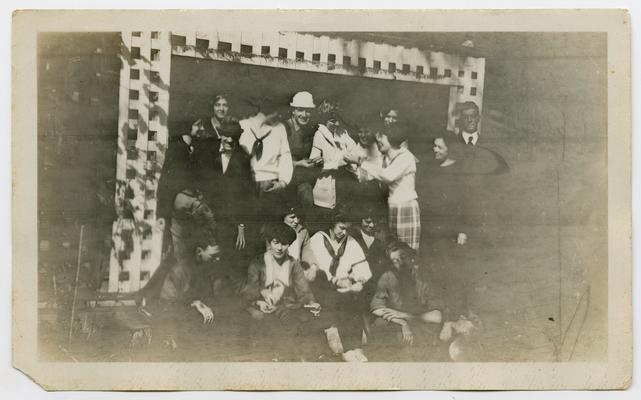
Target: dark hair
(279,231)
(369,133)
(220,96)
(468,105)
(453,146)
(396,245)
(369,210)
(230,127)
(387,110)
(396,134)
(326,111)
(288,208)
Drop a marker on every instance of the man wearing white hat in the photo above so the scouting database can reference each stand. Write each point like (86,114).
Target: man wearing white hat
(300,134)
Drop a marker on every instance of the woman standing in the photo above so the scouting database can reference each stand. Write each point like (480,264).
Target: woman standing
(223,172)
(210,127)
(368,189)
(332,143)
(399,173)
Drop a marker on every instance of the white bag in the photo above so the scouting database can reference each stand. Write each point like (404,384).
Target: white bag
(325,192)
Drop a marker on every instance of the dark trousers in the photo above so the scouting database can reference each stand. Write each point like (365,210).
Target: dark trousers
(343,310)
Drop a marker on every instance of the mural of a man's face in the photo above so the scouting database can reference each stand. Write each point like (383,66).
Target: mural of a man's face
(302,115)
(469,120)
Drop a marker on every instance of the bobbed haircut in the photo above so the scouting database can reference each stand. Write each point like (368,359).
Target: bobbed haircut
(468,105)
(454,148)
(396,245)
(279,231)
(369,210)
(396,134)
(219,96)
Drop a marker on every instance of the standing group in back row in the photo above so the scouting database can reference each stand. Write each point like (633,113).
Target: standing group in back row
(289,214)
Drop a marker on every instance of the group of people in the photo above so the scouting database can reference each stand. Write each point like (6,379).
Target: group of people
(301,218)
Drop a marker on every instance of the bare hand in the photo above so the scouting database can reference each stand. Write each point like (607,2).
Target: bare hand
(204,310)
(390,314)
(357,287)
(342,282)
(264,307)
(240,239)
(277,185)
(408,336)
(314,308)
(305,163)
(196,127)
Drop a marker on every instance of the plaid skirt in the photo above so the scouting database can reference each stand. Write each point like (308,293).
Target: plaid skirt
(405,222)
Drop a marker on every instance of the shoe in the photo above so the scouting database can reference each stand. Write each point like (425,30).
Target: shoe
(432,316)
(334,340)
(360,356)
(350,356)
(446,332)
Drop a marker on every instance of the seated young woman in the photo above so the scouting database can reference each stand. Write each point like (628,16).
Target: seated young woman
(339,271)
(276,283)
(292,218)
(401,295)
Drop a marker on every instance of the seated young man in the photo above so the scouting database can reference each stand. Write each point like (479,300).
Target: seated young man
(189,274)
(339,269)
(401,295)
(276,283)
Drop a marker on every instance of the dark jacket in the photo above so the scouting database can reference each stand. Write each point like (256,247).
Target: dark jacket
(177,174)
(296,294)
(230,194)
(375,253)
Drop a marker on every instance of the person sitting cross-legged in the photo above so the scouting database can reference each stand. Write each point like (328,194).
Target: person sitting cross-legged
(276,283)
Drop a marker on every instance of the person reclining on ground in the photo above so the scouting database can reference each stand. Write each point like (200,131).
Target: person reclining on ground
(402,294)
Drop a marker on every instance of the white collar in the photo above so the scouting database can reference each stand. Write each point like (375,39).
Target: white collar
(334,242)
(474,136)
(327,134)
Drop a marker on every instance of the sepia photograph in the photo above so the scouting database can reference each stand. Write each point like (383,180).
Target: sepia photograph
(315,197)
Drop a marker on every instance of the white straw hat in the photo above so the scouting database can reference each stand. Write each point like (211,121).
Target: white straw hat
(302,100)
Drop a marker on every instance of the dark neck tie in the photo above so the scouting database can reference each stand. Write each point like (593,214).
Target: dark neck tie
(470,140)
(257,148)
(336,256)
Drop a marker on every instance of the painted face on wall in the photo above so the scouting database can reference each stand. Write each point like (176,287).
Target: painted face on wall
(221,108)
(390,118)
(469,120)
(368,225)
(339,230)
(302,115)
(277,249)
(439,149)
